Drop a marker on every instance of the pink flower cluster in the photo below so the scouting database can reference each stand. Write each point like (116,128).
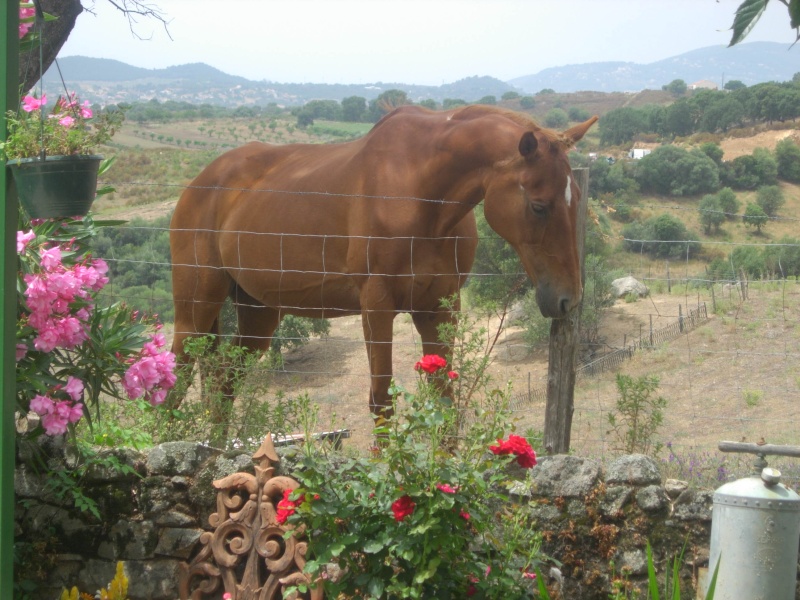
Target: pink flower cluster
(153,374)
(66,108)
(60,298)
(31,103)
(25,14)
(57,414)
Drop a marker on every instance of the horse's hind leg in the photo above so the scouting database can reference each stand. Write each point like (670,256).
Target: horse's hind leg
(198,293)
(256,324)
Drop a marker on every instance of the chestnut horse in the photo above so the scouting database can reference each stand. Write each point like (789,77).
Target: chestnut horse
(376,226)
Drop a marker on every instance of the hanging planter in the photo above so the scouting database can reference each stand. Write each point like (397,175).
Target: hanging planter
(56,186)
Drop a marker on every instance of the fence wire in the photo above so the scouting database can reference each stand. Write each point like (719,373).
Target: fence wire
(726,354)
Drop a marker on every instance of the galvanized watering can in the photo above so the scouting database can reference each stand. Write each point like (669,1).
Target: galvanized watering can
(755,531)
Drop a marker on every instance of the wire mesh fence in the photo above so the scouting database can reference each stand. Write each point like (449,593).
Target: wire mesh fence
(725,352)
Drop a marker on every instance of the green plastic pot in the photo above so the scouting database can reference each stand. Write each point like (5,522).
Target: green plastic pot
(56,187)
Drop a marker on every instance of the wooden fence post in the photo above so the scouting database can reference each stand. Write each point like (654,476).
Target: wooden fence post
(564,340)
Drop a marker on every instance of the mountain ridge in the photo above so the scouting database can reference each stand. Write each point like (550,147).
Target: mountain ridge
(113,81)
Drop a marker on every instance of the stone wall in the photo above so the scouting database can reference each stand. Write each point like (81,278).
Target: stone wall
(152,521)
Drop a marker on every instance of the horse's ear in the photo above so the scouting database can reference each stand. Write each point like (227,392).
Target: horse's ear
(577,132)
(528,144)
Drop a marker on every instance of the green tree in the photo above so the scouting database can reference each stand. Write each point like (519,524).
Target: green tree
(545,92)
(787,155)
(754,216)
(711,215)
(354,109)
(490,100)
(429,103)
(510,96)
(679,120)
(663,236)
(728,202)
(766,166)
(619,126)
(556,118)
(672,170)
(387,101)
(449,103)
(527,102)
(578,114)
(722,114)
(676,87)
(770,198)
(713,151)
(733,85)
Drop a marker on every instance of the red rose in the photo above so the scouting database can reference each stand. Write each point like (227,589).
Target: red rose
(452,375)
(430,363)
(518,446)
(286,507)
(402,507)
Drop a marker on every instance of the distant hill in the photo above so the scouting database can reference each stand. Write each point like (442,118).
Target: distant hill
(111,81)
(751,63)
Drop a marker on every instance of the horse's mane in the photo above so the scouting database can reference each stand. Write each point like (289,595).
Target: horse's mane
(475,111)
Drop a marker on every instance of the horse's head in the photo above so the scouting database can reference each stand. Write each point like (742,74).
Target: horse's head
(533,204)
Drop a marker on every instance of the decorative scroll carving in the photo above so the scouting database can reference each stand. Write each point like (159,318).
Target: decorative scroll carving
(248,554)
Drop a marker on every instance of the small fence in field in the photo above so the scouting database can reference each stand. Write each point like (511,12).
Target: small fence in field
(614,359)
(654,338)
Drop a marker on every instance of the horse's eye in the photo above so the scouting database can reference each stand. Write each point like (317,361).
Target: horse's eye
(538,209)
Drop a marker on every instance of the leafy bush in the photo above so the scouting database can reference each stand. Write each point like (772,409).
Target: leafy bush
(556,118)
(750,172)
(638,415)
(671,170)
(754,216)
(711,214)
(787,155)
(663,236)
(428,514)
(770,199)
(728,202)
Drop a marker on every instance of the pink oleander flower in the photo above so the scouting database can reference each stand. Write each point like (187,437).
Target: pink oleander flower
(152,375)
(86,110)
(66,121)
(23,239)
(74,388)
(30,103)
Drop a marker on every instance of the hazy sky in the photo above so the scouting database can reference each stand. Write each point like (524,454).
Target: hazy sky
(412,41)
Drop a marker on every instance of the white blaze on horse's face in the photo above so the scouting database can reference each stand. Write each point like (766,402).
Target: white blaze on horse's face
(568,191)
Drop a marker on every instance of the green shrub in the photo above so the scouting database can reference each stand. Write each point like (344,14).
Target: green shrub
(638,416)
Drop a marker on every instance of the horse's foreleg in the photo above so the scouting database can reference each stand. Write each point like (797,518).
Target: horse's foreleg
(377,318)
(428,325)
(256,324)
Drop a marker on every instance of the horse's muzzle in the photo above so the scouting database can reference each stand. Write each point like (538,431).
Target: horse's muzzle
(555,304)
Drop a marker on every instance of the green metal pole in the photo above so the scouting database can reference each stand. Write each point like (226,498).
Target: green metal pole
(9,92)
